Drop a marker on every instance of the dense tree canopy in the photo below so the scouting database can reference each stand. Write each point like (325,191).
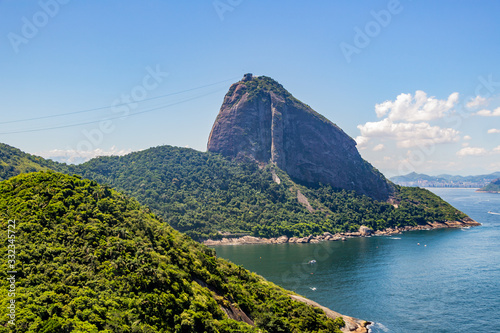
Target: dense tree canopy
(90,259)
(13,162)
(207,196)
(204,194)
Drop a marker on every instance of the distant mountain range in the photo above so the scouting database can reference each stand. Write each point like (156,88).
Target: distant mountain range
(444,180)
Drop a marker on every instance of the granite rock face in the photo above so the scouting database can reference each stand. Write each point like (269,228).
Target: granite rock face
(260,121)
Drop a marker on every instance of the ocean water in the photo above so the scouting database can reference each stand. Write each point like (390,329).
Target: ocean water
(421,281)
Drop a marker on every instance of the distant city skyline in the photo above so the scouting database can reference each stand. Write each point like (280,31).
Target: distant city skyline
(416,84)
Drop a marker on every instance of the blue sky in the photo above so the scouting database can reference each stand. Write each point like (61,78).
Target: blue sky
(417,83)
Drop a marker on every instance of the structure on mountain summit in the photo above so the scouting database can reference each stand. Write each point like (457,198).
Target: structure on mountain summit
(261,121)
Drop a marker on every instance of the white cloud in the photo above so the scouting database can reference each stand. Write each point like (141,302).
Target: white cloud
(465,144)
(378,147)
(493,131)
(488,113)
(382,108)
(471,151)
(476,151)
(74,156)
(477,101)
(467,137)
(361,141)
(408,134)
(416,108)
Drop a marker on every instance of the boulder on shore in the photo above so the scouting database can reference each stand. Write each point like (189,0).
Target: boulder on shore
(365,231)
(326,236)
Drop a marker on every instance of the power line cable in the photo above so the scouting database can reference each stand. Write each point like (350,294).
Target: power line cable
(111,118)
(106,107)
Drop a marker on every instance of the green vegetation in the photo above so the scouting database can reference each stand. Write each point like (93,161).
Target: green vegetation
(422,206)
(263,83)
(13,162)
(260,86)
(205,195)
(201,193)
(90,259)
(493,187)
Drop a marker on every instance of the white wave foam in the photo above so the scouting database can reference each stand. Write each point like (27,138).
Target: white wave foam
(377,327)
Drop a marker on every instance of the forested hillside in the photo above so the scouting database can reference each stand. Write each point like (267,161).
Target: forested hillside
(90,259)
(206,196)
(14,161)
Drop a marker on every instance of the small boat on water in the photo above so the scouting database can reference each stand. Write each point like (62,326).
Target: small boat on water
(312,261)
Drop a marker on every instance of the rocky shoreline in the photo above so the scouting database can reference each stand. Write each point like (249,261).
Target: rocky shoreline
(352,325)
(363,232)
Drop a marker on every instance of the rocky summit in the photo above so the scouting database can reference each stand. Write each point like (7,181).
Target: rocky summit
(261,121)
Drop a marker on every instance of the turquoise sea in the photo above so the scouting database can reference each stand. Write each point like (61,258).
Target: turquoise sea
(421,281)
